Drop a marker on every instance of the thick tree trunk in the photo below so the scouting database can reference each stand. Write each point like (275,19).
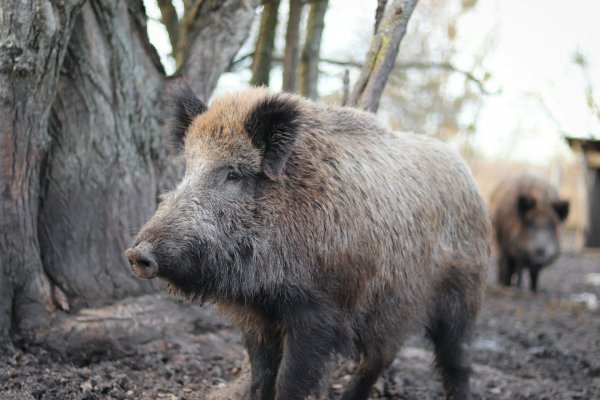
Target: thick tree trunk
(33,42)
(290,58)
(309,60)
(82,156)
(382,55)
(106,156)
(263,53)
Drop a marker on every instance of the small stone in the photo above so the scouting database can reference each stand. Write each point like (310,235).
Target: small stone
(86,386)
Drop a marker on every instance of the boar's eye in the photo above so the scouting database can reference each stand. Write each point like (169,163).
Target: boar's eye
(233,176)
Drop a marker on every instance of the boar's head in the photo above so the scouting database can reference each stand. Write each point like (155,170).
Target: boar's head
(208,235)
(539,236)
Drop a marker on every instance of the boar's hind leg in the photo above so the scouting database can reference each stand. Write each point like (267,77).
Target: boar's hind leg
(451,320)
(372,363)
(264,352)
(314,332)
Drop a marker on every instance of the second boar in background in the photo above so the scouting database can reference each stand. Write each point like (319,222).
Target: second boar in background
(527,213)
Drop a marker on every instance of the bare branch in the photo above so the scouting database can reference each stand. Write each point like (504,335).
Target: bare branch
(549,113)
(379,13)
(382,55)
(590,98)
(450,67)
(234,64)
(406,65)
(168,17)
(342,63)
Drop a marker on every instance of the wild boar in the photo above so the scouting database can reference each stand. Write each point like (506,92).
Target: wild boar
(318,232)
(526,220)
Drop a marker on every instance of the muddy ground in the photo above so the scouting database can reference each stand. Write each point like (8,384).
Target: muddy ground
(156,347)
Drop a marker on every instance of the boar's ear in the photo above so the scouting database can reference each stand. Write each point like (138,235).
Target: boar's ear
(524,204)
(562,209)
(183,106)
(273,127)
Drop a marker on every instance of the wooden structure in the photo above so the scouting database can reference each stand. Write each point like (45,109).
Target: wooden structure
(588,150)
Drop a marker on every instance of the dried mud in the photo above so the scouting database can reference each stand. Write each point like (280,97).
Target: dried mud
(526,346)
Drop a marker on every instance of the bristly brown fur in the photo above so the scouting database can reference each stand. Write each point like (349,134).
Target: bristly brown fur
(320,232)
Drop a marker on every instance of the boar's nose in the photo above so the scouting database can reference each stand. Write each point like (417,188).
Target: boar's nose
(540,256)
(539,253)
(142,262)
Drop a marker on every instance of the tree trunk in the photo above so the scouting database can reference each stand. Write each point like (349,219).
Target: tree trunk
(379,14)
(309,60)
(345,87)
(82,153)
(263,53)
(290,59)
(33,42)
(169,18)
(105,159)
(213,39)
(382,55)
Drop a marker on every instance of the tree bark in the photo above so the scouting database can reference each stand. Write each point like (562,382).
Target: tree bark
(382,55)
(379,14)
(263,53)
(290,59)
(309,60)
(105,159)
(82,155)
(168,16)
(345,87)
(214,39)
(33,42)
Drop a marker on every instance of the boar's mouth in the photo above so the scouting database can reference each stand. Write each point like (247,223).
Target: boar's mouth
(192,272)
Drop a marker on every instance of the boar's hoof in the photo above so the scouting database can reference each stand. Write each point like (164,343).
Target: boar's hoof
(142,261)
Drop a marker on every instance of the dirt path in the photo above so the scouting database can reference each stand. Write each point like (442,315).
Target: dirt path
(526,346)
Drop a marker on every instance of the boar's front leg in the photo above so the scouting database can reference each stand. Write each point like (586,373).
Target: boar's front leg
(533,278)
(506,269)
(264,346)
(314,331)
(519,277)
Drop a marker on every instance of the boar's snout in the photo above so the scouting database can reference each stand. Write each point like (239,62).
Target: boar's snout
(544,255)
(142,261)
